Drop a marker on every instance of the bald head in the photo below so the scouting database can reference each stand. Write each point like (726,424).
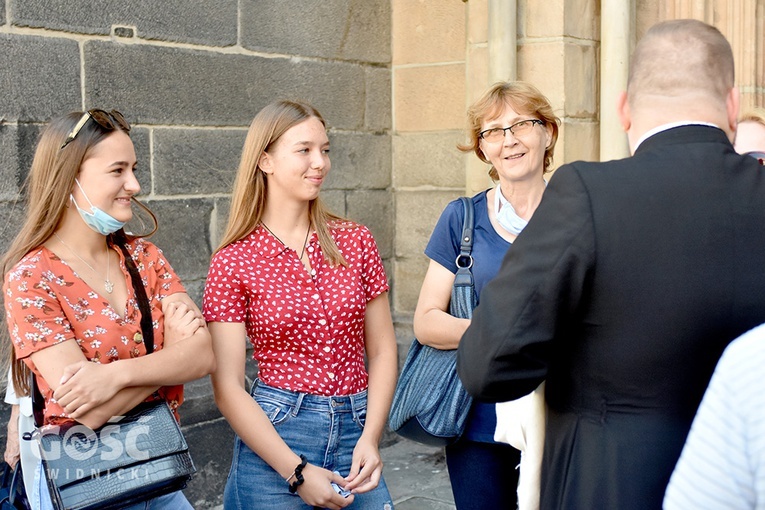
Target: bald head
(682,71)
(680,60)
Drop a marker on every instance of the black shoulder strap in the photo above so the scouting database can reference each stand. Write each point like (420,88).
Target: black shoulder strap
(466,243)
(465,260)
(38,403)
(147,328)
(463,298)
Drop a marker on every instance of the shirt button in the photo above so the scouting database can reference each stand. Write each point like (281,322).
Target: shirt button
(331,375)
(322,321)
(327,349)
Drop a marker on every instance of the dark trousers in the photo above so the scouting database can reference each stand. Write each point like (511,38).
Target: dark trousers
(483,475)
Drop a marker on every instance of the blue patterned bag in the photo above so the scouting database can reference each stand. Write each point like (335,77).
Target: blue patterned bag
(430,405)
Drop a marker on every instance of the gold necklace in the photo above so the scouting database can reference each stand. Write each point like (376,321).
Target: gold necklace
(108,285)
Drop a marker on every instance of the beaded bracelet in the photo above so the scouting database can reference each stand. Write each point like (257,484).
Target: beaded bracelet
(298,475)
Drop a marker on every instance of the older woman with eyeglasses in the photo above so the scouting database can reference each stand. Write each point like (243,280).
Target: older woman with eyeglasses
(513,128)
(72,311)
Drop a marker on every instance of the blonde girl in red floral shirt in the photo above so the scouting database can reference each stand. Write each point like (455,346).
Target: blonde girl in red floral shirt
(309,292)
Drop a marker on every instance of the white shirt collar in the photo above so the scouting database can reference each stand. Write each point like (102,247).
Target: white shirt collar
(671,125)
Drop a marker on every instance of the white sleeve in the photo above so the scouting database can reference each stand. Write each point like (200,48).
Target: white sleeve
(10,393)
(720,462)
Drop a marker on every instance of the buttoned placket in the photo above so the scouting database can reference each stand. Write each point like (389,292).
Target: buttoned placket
(311,280)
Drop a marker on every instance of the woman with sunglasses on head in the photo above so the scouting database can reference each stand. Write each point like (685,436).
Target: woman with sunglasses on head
(750,134)
(71,308)
(513,128)
(308,290)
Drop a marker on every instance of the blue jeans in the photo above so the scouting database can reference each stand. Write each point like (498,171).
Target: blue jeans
(324,429)
(173,501)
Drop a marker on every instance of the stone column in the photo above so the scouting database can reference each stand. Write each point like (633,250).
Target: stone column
(615,38)
(502,40)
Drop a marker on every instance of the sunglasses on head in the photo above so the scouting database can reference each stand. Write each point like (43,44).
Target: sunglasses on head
(108,120)
(759,156)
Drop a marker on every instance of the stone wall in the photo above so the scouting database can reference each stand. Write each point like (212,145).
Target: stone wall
(190,75)
(429,83)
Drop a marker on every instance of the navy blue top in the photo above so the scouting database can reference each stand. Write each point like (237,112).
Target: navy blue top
(489,248)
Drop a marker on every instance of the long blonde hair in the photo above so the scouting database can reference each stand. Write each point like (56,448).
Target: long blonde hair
(248,199)
(49,184)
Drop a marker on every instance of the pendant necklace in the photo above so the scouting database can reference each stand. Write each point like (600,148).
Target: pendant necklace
(108,285)
(305,242)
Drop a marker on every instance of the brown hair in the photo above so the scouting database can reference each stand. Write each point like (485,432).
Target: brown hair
(520,96)
(248,199)
(49,184)
(679,58)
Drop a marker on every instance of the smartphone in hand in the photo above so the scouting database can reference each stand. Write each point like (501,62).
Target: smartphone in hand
(344,493)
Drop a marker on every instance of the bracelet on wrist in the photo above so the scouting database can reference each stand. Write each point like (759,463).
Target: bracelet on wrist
(297,475)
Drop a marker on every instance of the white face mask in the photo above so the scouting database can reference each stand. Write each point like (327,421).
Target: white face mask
(506,215)
(98,220)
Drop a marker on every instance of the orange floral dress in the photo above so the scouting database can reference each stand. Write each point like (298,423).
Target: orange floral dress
(47,303)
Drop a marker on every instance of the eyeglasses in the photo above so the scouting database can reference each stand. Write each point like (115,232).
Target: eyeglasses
(519,128)
(108,120)
(759,156)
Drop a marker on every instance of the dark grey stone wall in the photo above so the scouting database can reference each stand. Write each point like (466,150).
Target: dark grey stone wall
(190,75)
(350,29)
(192,21)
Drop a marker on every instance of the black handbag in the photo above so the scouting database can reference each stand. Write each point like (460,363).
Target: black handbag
(13,496)
(430,404)
(130,459)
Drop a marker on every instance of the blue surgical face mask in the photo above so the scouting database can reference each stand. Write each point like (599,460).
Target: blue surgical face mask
(506,215)
(98,220)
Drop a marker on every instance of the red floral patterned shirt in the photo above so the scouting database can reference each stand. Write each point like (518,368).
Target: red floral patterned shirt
(307,329)
(47,303)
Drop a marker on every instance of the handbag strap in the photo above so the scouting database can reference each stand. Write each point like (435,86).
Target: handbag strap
(464,262)
(147,330)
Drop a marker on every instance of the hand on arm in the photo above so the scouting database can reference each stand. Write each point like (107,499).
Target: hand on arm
(253,426)
(182,319)
(186,355)
(92,393)
(433,325)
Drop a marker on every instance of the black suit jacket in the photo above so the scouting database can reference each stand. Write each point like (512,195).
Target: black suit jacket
(622,292)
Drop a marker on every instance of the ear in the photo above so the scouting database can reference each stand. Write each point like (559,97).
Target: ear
(548,136)
(264,163)
(481,151)
(732,103)
(623,110)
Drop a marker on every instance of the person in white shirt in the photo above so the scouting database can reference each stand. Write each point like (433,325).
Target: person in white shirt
(16,448)
(722,465)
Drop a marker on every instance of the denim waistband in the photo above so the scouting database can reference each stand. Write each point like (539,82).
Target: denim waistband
(355,402)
